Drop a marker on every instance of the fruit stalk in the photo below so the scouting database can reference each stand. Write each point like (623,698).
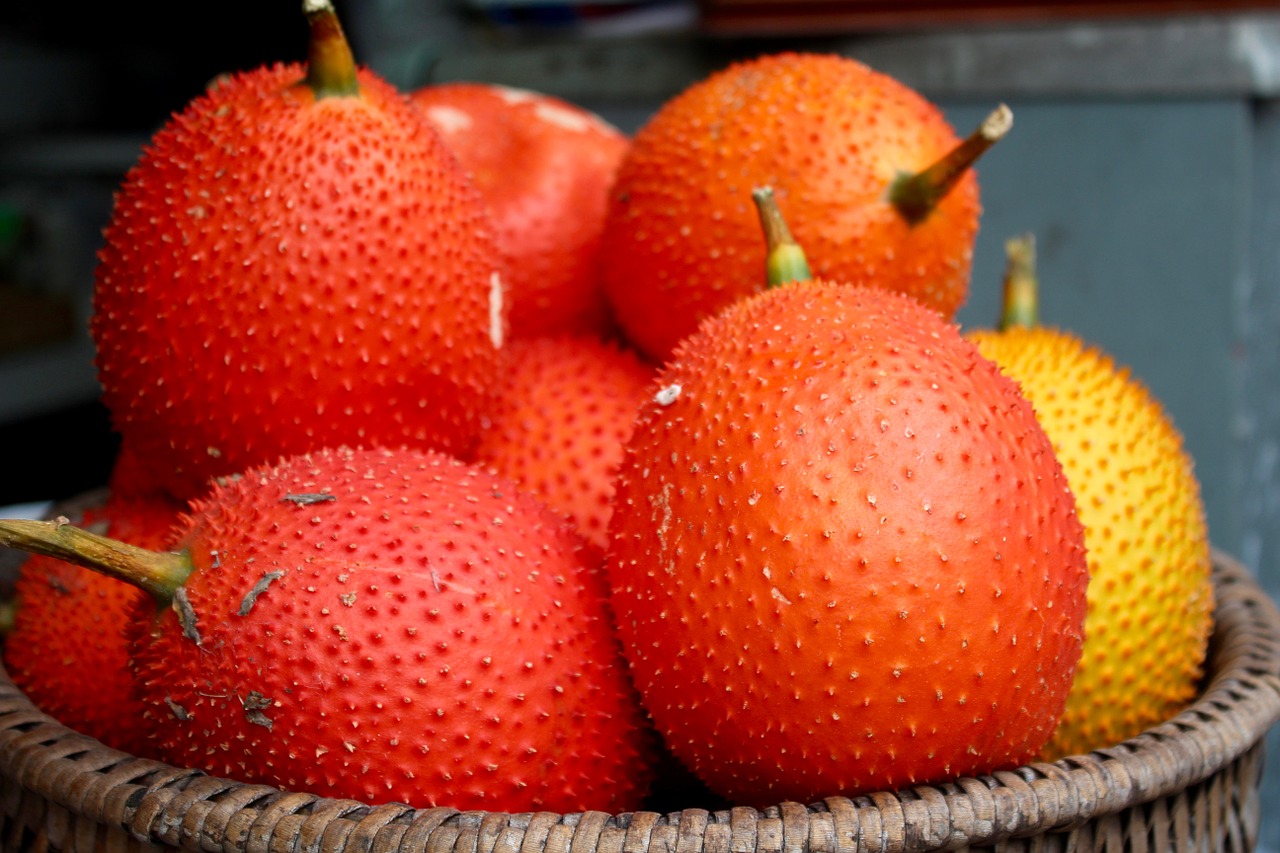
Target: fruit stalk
(331,67)
(1021,298)
(785,261)
(160,574)
(916,195)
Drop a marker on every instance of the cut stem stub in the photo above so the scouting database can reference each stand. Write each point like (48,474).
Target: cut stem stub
(916,195)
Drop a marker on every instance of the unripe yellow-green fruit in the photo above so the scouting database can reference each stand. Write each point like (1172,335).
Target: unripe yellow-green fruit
(1150,596)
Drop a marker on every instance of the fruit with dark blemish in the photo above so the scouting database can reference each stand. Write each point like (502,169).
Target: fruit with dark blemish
(428,635)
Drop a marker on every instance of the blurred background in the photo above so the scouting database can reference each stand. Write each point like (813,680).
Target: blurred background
(1145,157)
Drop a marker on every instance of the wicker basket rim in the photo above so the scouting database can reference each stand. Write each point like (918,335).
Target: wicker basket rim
(159,803)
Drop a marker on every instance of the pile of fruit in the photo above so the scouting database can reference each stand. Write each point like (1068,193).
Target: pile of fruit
(476,454)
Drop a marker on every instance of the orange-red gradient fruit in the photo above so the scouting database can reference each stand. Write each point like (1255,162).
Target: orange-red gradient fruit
(283,272)
(544,166)
(830,135)
(844,557)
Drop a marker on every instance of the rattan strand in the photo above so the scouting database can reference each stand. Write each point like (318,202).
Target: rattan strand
(1190,784)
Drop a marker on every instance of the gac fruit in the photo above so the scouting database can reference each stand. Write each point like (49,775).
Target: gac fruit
(843,555)
(1151,590)
(878,185)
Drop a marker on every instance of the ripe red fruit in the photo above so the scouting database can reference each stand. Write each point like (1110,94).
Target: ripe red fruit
(133,478)
(843,555)
(544,166)
(877,182)
(67,649)
(386,626)
(559,422)
(295,261)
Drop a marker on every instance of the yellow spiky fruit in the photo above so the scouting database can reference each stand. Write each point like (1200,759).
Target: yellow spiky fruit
(1150,597)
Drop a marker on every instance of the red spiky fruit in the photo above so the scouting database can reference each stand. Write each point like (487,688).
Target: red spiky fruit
(877,183)
(387,626)
(67,649)
(843,555)
(544,166)
(559,422)
(296,260)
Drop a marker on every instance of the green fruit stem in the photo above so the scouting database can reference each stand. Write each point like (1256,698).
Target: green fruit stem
(916,195)
(157,573)
(786,261)
(331,67)
(1021,289)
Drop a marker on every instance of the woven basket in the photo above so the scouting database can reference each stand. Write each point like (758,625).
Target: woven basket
(1189,784)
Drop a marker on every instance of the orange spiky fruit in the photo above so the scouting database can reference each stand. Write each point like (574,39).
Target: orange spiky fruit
(878,187)
(843,555)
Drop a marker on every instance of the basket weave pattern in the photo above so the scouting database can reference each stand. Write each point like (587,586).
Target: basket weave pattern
(1190,784)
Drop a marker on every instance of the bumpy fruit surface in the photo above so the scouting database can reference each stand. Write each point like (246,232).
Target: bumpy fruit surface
(843,555)
(393,626)
(67,650)
(544,166)
(283,272)
(560,419)
(830,135)
(1150,595)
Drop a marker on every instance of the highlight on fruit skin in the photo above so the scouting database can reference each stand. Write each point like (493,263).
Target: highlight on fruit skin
(1150,594)
(379,625)
(544,167)
(843,555)
(285,269)
(846,149)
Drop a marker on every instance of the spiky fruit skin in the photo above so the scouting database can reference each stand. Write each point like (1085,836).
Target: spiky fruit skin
(68,650)
(544,166)
(1151,593)
(134,479)
(434,637)
(560,419)
(282,273)
(843,555)
(682,237)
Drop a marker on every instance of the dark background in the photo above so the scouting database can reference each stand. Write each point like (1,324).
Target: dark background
(145,60)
